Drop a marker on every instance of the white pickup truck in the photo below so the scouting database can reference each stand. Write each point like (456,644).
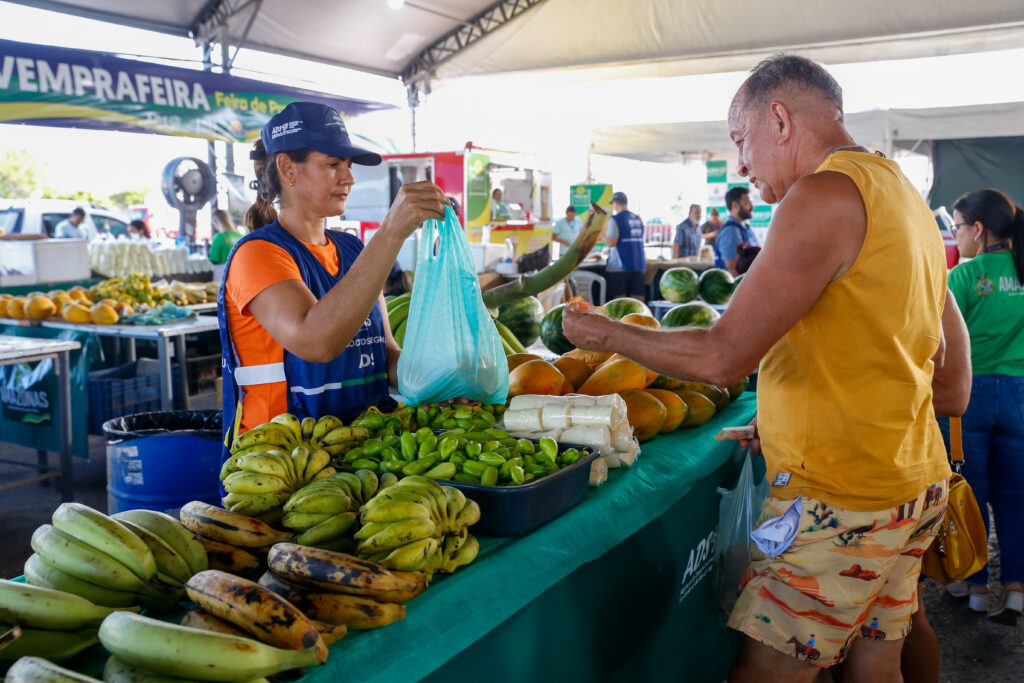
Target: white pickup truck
(41,216)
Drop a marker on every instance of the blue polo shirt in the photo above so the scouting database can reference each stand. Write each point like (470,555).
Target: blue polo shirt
(731,235)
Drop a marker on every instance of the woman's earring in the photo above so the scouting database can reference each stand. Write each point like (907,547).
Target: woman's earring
(977,238)
(293,185)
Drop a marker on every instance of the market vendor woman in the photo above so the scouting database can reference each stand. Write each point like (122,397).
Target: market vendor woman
(303,324)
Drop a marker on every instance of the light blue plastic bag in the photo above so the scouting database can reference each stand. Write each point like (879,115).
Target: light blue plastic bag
(738,512)
(451,347)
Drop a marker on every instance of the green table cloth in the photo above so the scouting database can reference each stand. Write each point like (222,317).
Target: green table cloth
(512,573)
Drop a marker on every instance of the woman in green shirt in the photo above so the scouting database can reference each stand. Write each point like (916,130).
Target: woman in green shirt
(225,238)
(989,289)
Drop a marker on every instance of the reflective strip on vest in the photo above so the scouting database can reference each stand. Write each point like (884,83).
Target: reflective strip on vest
(259,374)
(333,386)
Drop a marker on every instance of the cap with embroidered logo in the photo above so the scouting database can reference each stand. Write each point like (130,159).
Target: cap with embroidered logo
(315,126)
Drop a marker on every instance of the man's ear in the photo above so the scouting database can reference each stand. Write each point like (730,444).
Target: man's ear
(780,122)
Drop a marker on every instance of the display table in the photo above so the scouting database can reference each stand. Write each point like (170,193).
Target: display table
(28,350)
(163,335)
(619,587)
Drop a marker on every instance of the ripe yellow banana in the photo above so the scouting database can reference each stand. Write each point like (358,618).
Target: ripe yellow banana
(466,554)
(330,633)
(409,556)
(39,572)
(229,558)
(307,425)
(38,670)
(228,527)
(322,502)
(398,534)
(172,532)
(468,516)
(368,482)
(300,521)
(408,494)
(324,425)
(168,561)
(185,652)
(395,511)
(254,609)
(260,503)
(291,422)
(56,646)
(456,501)
(106,535)
(263,436)
(330,569)
(346,435)
(334,450)
(265,463)
(46,608)
(354,611)
(250,482)
(197,618)
(317,460)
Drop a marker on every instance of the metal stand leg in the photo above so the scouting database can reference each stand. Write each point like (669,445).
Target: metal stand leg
(131,349)
(42,465)
(163,354)
(179,352)
(67,478)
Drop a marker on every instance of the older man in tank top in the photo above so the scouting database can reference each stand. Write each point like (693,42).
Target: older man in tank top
(843,311)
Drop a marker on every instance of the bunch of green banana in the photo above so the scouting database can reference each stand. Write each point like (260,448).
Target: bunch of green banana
(270,462)
(324,513)
(38,670)
(418,525)
(105,561)
(509,342)
(52,623)
(233,542)
(196,654)
(398,312)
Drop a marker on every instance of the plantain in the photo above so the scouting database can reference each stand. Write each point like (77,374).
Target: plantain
(228,558)
(228,527)
(329,569)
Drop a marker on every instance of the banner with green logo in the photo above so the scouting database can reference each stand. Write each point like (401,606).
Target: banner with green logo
(582,195)
(63,87)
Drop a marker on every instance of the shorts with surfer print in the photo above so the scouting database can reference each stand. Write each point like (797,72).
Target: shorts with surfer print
(846,574)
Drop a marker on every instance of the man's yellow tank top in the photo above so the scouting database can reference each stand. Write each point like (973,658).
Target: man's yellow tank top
(844,398)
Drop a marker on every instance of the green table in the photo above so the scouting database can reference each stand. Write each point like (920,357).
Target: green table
(619,587)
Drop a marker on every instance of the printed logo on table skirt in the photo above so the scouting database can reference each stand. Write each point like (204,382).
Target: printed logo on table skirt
(699,564)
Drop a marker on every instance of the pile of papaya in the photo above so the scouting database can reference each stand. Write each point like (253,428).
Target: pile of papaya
(656,404)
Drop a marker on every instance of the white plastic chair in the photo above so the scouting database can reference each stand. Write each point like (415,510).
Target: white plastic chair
(553,297)
(582,281)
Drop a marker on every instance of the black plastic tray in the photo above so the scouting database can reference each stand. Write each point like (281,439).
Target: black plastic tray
(518,510)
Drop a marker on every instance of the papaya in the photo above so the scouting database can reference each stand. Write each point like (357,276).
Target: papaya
(724,400)
(16,308)
(651,374)
(673,404)
(612,378)
(102,314)
(642,319)
(575,370)
(535,377)
(645,413)
(76,313)
(54,293)
(699,408)
(591,358)
(567,388)
(60,299)
(669,383)
(40,308)
(709,390)
(736,389)
(517,359)
(80,293)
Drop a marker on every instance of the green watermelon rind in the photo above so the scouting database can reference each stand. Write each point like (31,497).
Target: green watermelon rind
(716,286)
(523,317)
(679,285)
(551,334)
(617,309)
(693,314)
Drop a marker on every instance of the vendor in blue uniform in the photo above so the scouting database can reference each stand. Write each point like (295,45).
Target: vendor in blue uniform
(303,324)
(627,264)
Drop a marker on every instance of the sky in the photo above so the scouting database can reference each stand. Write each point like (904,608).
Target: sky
(517,112)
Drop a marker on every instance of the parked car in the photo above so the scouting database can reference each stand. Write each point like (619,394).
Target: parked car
(945,223)
(41,216)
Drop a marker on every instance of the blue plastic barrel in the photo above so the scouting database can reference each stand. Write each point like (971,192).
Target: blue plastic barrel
(162,460)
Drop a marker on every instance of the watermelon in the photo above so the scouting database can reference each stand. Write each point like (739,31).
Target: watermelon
(679,285)
(523,317)
(716,286)
(616,309)
(695,314)
(551,331)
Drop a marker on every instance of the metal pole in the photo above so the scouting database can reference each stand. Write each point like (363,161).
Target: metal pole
(414,99)
(225,61)
(211,150)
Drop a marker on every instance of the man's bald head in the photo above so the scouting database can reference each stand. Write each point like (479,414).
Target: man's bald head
(781,75)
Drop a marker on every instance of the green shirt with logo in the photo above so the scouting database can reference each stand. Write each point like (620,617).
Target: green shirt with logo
(992,300)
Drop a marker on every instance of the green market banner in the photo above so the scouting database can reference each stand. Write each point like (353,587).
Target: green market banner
(63,87)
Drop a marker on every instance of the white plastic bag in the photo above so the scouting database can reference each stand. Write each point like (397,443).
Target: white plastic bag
(738,510)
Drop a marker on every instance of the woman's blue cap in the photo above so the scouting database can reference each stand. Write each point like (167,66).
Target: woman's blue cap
(315,126)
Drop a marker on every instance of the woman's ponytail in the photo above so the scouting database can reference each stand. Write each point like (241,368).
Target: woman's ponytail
(1017,242)
(262,212)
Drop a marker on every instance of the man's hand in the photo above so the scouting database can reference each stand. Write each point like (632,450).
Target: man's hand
(753,444)
(589,331)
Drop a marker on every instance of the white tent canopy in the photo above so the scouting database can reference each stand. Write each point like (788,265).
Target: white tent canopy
(611,37)
(898,127)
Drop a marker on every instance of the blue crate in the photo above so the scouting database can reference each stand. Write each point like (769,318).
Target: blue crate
(123,390)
